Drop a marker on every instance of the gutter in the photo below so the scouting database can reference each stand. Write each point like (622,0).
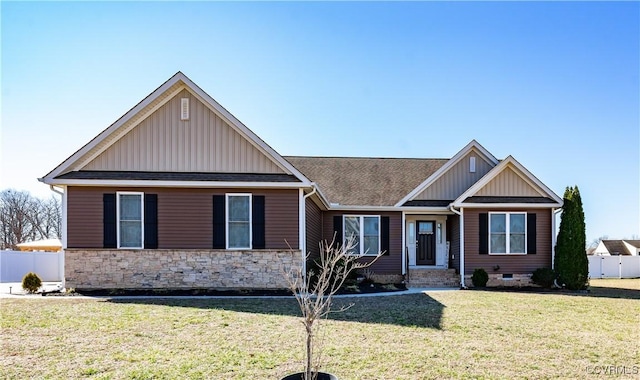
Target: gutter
(460,214)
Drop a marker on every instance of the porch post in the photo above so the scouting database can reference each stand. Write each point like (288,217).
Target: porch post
(553,238)
(404,244)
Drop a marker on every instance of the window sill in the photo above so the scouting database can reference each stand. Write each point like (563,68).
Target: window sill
(507,254)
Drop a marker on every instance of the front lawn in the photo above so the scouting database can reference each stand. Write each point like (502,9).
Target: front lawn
(454,334)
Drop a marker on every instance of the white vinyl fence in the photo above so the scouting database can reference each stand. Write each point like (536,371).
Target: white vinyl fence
(614,266)
(15,264)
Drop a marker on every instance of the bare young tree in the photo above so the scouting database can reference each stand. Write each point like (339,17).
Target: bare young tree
(315,291)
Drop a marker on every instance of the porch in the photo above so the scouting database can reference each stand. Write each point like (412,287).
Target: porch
(427,244)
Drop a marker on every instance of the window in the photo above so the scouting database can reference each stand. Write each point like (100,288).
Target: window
(365,232)
(507,233)
(238,221)
(130,211)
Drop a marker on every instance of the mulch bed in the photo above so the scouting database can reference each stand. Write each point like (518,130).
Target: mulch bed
(363,288)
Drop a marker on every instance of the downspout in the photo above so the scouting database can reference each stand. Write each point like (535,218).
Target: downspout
(303,225)
(460,214)
(63,195)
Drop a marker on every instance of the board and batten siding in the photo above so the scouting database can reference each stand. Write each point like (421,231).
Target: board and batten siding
(457,179)
(185,216)
(203,143)
(509,264)
(314,227)
(387,264)
(509,183)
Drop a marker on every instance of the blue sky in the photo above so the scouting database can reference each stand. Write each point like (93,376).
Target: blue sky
(556,85)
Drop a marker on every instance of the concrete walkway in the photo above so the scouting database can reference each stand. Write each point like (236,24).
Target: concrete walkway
(14,290)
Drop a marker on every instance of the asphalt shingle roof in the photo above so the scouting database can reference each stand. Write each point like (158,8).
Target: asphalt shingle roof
(366,181)
(616,247)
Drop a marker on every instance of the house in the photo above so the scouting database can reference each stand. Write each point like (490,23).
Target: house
(618,248)
(178,193)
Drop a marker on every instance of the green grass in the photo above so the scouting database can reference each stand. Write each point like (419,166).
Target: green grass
(459,334)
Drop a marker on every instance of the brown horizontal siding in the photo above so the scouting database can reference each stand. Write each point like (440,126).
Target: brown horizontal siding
(509,264)
(281,218)
(84,217)
(387,264)
(185,216)
(314,227)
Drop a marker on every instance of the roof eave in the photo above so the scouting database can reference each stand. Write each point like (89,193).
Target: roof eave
(181,184)
(506,205)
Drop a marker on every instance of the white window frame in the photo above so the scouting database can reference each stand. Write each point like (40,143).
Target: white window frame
(508,232)
(118,194)
(361,235)
(226,219)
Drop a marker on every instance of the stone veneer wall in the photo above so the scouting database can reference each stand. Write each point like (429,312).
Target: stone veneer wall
(517,281)
(178,269)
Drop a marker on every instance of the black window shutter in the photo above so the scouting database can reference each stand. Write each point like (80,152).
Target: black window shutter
(337,229)
(531,233)
(218,222)
(109,234)
(151,221)
(384,236)
(484,233)
(257,222)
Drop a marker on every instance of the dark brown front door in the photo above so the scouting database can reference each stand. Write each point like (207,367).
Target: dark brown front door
(426,250)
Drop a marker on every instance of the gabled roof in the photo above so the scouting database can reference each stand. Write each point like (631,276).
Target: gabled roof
(433,177)
(146,107)
(545,197)
(616,247)
(349,181)
(635,243)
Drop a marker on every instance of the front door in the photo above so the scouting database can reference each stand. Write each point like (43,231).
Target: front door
(426,250)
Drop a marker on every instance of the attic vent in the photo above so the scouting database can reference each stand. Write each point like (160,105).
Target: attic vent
(184,109)
(472,164)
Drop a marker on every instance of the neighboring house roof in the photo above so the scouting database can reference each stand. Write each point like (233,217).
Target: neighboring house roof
(49,245)
(635,243)
(619,247)
(616,247)
(350,181)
